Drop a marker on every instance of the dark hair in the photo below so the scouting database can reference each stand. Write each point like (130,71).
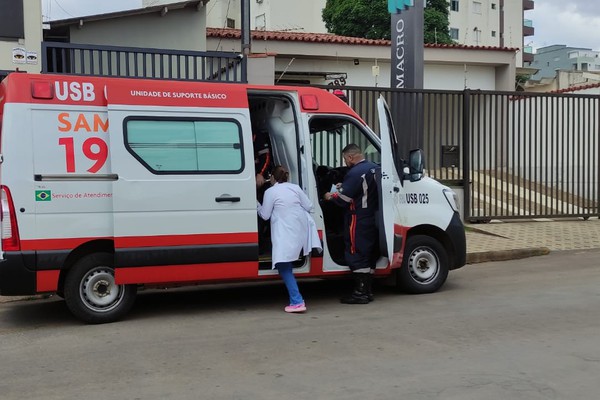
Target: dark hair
(280,174)
(351,149)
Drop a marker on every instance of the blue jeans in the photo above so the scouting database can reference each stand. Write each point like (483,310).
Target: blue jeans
(285,270)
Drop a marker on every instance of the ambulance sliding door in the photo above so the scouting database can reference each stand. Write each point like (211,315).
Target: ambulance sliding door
(185,198)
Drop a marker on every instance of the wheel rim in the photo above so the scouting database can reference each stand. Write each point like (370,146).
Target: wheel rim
(423,265)
(98,290)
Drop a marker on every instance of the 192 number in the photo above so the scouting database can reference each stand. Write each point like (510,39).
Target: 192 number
(94,148)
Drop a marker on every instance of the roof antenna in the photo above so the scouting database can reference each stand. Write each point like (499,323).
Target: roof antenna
(285,70)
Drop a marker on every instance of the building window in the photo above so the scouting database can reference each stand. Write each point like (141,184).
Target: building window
(454,33)
(476,7)
(12,24)
(231,23)
(493,6)
(453,5)
(185,146)
(260,22)
(493,33)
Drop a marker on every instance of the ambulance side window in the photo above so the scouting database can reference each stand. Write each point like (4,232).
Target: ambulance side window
(168,146)
(330,135)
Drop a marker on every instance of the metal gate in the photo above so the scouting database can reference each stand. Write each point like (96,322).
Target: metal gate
(514,154)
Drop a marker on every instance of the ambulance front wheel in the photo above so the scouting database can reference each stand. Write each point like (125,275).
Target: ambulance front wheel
(424,266)
(91,293)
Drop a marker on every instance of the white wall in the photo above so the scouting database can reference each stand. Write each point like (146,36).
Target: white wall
(178,29)
(459,77)
(32,12)
(444,68)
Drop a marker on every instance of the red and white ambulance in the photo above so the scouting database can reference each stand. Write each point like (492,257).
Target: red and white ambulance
(109,185)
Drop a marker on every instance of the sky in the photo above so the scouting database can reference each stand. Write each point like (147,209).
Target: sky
(575,23)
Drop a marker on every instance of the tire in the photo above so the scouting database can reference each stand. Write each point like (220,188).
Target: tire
(424,266)
(91,293)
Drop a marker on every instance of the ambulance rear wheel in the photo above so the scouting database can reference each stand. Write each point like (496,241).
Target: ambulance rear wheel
(91,293)
(424,266)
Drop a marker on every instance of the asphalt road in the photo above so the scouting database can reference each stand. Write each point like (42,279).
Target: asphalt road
(523,329)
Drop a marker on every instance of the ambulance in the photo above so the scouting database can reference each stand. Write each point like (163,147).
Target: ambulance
(110,185)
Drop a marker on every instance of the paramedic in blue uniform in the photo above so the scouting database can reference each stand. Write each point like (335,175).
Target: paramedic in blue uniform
(358,194)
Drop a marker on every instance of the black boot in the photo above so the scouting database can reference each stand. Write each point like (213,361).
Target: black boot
(369,287)
(360,294)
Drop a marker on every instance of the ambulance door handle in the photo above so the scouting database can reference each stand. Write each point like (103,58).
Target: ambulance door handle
(227,197)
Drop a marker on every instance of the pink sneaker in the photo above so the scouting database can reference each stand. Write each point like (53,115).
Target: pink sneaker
(296,308)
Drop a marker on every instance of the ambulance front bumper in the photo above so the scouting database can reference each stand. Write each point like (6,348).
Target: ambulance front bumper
(458,238)
(15,278)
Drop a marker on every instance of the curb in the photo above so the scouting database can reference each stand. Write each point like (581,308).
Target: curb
(503,255)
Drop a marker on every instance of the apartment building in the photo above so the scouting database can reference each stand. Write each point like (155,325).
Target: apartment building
(269,15)
(20,36)
(495,23)
(550,59)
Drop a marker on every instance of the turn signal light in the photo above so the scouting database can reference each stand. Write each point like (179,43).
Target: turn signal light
(42,90)
(309,102)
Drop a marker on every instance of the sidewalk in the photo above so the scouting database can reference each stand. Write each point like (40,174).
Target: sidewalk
(509,240)
(505,240)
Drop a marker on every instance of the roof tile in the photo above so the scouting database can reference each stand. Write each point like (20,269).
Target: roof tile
(228,33)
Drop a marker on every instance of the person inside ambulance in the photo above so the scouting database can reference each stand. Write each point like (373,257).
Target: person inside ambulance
(262,166)
(359,195)
(262,156)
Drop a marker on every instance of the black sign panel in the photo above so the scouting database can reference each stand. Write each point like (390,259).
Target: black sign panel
(12,25)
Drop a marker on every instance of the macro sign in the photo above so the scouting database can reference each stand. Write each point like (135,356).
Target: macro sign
(407,43)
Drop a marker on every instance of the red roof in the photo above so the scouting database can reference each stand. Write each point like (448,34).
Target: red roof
(227,33)
(577,88)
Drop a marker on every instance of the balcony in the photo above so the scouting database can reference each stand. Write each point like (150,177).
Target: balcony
(528,29)
(528,5)
(528,54)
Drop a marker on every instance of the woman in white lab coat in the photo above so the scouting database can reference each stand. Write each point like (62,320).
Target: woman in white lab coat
(292,230)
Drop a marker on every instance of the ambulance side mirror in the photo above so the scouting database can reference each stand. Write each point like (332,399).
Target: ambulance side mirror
(416,161)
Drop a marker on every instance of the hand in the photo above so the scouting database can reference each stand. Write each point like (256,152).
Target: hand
(338,185)
(327,196)
(260,180)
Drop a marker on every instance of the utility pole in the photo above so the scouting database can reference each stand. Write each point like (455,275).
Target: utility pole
(245,38)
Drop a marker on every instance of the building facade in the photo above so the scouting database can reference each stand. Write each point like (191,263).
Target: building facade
(20,36)
(269,15)
(497,23)
(550,59)
(323,59)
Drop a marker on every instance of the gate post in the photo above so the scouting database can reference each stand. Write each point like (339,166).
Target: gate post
(466,165)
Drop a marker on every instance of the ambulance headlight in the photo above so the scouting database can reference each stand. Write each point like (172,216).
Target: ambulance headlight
(452,198)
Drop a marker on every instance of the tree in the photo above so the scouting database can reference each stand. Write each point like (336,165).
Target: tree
(358,18)
(436,22)
(370,19)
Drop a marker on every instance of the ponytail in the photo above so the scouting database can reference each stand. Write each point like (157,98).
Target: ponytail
(280,174)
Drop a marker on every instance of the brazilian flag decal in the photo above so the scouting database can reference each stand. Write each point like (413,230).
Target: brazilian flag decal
(43,195)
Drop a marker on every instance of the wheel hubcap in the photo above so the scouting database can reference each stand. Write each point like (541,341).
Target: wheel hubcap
(424,265)
(99,291)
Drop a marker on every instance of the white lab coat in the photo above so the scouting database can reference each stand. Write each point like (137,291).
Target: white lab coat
(292,227)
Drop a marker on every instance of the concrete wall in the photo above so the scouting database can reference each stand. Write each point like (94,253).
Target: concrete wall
(32,12)
(451,69)
(179,29)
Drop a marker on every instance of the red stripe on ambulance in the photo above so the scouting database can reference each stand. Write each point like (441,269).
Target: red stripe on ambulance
(143,241)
